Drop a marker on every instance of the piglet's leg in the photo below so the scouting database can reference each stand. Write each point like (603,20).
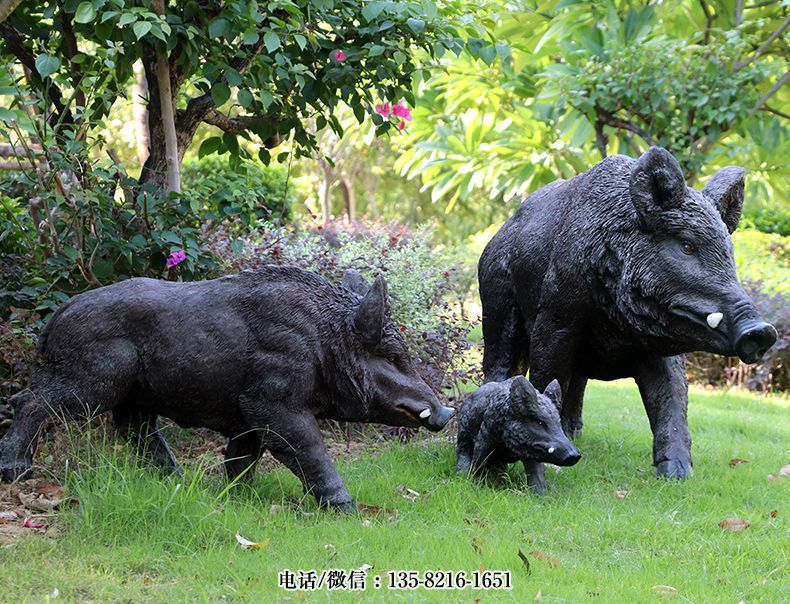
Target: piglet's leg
(664,389)
(536,476)
(483,456)
(295,441)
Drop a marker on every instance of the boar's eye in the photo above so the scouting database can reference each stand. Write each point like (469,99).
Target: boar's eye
(688,248)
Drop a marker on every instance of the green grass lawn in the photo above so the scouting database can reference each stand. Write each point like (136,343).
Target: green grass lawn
(136,537)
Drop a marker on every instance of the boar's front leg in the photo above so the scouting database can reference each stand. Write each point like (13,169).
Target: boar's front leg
(536,475)
(664,389)
(294,439)
(140,427)
(242,454)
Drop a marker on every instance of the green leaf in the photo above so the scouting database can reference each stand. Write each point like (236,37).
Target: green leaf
(141,28)
(46,65)
(245,97)
(127,18)
(264,156)
(217,28)
(376,50)
(272,41)
(220,93)
(231,142)
(373,10)
(416,25)
(301,41)
(209,146)
(85,13)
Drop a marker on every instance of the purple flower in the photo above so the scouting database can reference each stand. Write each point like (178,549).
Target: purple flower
(176,258)
(402,111)
(339,55)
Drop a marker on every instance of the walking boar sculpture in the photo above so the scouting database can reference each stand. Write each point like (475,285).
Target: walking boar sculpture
(258,357)
(617,273)
(504,422)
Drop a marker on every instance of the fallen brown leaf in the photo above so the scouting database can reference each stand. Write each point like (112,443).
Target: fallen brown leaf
(734,524)
(247,544)
(735,461)
(553,562)
(664,590)
(621,493)
(6,517)
(477,521)
(773,513)
(374,511)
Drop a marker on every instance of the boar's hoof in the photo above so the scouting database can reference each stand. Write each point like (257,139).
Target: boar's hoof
(15,472)
(673,468)
(572,429)
(347,507)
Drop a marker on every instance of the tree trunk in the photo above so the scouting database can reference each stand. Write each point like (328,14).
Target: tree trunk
(7,7)
(139,93)
(326,196)
(349,198)
(374,187)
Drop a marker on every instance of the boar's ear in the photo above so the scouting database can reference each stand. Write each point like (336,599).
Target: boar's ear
(554,392)
(656,185)
(725,190)
(522,393)
(355,282)
(371,313)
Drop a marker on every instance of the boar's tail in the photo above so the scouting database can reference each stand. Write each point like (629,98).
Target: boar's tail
(42,338)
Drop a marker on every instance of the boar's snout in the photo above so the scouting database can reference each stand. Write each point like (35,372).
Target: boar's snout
(567,456)
(438,419)
(753,340)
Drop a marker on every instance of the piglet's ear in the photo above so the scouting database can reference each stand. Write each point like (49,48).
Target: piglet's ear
(355,282)
(554,392)
(371,313)
(522,393)
(725,190)
(656,185)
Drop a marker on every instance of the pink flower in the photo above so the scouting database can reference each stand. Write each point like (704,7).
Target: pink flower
(339,55)
(383,109)
(176,258)
(401,125)
(402,111)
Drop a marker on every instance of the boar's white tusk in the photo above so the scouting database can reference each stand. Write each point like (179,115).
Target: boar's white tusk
(425,413)
(714,319)
(551,450)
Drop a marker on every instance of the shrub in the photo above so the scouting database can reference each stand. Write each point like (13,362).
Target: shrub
(420,279)
(772,372)
(217,190)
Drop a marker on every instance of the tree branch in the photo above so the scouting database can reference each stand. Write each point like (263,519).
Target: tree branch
(772,91)
(616,122)
(71,50)
(709,18)
(762,47)
(7,7)
(776,112)
(15,44)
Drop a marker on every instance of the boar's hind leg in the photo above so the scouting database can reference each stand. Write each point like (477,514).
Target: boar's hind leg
(243,452)
(140,427)
(506,351)
(572,404)
(295,441)
(662,384)
(19,443)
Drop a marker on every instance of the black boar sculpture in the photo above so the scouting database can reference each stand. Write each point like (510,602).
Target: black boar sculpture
(504,422)
(617,273)
(257,356)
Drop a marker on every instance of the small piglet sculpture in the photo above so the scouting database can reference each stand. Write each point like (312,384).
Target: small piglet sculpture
(509,421)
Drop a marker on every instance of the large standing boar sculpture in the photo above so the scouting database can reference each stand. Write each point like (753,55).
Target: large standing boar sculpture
(617,273)
(258,357)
